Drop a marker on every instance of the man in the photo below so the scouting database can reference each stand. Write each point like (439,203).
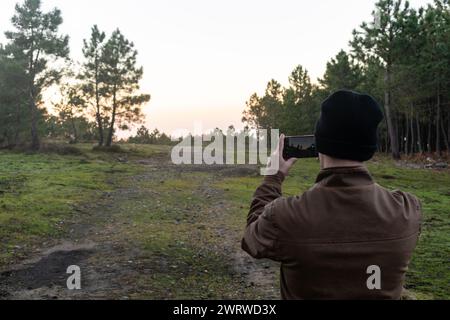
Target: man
(347,237)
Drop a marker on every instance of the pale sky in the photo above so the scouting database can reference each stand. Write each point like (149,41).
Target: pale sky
(204,58)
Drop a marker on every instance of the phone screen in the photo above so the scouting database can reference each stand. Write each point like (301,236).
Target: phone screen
(300,147)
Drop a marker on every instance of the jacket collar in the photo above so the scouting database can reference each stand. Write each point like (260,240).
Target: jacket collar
(345,177)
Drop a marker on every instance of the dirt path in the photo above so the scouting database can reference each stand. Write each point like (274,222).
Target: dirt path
(99,240)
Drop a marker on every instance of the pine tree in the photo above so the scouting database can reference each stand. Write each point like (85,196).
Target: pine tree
(122,78)
(380,40)
(35,43)
(341,73)
(92,77)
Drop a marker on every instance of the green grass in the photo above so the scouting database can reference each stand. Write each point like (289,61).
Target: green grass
(429,274)
(39,191)
(176,236)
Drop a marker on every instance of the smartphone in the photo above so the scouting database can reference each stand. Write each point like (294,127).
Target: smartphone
(300,147)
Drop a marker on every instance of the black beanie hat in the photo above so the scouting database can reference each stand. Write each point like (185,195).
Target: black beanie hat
(348,126)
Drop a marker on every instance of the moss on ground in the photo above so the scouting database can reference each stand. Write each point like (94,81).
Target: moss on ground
(38,192)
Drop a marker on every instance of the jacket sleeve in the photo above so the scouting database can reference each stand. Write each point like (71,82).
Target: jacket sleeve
(262,231)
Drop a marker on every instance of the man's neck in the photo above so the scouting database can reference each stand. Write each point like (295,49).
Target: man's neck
(327,162)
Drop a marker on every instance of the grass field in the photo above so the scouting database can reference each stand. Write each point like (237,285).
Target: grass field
(173,232)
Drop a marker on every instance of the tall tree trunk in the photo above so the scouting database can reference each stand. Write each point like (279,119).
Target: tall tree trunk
(447,146)
(430,126)
(407,133)
(438,121)
(448,127)
(386,144)
(100,129)
(413,136)
(113,120)
(18,125)
(35,142)
(400,135)
(419,135)
(101,137)
(75,131)
(387,108)
(398,131)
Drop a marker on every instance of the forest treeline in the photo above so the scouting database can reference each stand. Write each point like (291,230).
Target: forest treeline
(99,94)
(401,58)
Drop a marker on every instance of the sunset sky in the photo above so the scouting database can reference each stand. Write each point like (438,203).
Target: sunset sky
(203,58)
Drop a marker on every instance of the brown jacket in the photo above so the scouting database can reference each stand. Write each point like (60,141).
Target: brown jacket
(327,238)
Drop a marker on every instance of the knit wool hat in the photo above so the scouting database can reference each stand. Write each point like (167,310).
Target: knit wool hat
(348,126)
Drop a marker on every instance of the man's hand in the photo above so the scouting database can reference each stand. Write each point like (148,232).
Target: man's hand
(285,166)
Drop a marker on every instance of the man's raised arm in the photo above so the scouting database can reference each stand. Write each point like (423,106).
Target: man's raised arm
(260,237)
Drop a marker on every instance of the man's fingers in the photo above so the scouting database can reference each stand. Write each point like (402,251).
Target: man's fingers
(292,161)
(281,144)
